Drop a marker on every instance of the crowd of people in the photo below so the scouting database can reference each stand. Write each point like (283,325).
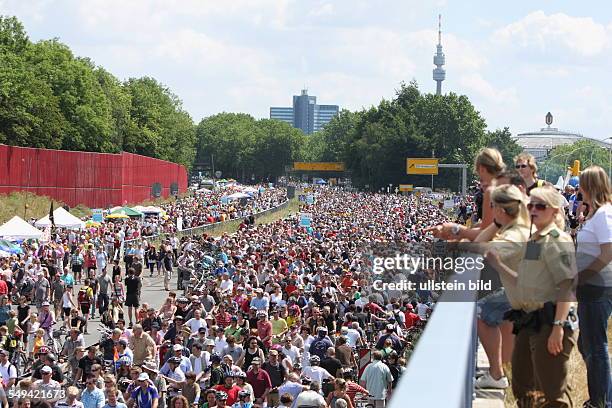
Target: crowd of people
(282,315)
(286,314)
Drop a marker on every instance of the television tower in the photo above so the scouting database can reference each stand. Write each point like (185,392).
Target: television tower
(439,74)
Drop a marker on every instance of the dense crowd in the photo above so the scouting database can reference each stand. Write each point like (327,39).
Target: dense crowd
(280,314)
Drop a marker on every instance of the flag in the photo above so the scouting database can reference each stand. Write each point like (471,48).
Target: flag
(51,215)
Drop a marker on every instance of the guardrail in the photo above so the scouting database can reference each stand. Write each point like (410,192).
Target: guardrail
(442,368)
(202,228)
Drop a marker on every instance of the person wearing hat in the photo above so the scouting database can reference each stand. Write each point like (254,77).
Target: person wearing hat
(230,388)
(144,395)
(177,355)
(260,302)
(50,360)
(264,329)
(174,375)
(47,386)
(123,351)
(175,328)
(7,370)
(159,382)
(260,381)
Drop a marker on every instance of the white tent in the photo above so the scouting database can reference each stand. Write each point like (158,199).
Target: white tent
(148,210)
(238,196)
(17,229)
(62,218)
(250,190)
(204,191)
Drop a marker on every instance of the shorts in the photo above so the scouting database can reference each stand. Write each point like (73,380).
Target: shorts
(132,300)
(85,308)
(67,311)
(492,308)
(77,268)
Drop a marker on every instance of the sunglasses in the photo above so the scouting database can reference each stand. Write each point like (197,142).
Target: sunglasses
(521,166)
(537,206)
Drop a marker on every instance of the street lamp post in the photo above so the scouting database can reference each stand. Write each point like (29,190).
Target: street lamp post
(609,157)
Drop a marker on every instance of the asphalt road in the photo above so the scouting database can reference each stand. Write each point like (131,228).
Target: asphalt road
(152,293)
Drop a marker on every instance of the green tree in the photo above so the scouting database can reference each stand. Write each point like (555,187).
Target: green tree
(502,140)
(587,151)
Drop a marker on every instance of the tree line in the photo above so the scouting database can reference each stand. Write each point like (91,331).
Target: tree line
(52,99)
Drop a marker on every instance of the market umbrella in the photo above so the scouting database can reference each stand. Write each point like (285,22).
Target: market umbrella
(9,247)
(116,216)
(92,223)
(130,212)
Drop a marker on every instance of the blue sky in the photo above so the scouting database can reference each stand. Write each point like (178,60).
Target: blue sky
(515,60)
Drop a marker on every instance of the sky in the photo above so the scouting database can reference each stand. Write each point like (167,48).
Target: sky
(514,60)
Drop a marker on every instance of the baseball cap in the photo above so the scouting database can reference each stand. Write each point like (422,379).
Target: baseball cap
(209,342)
(143,377)
(45,304)
(256,360)
(46,369)
(177,347)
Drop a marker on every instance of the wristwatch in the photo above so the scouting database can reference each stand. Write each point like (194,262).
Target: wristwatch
(561,323)
(455,229)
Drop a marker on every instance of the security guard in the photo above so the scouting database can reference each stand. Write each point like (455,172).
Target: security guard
(544,323)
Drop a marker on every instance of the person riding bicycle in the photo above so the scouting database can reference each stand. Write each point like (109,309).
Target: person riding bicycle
(46,318)
(319,346)
(390,334)
(243,400)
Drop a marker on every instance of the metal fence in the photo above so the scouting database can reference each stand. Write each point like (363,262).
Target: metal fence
(441,371)
(209,228)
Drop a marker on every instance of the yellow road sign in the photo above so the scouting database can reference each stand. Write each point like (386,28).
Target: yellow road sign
(319,166)
(406,187)
(421,166)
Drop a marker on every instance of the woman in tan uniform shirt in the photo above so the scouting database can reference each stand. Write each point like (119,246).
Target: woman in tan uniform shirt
(544,282)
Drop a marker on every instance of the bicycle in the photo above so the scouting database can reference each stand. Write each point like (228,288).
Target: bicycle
(363,401)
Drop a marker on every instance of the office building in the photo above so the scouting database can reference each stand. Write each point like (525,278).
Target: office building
(305,113)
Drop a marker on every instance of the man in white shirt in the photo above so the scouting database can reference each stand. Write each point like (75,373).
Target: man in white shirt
(377,380)
(353,337)
(8,370)
(227,286)
(196,321)
(311,398)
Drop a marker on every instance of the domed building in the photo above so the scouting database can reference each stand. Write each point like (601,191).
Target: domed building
(540,143)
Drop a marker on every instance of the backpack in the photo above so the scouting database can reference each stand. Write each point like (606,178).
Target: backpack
(83,297)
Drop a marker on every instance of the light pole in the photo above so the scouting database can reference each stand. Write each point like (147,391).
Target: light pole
(609,157)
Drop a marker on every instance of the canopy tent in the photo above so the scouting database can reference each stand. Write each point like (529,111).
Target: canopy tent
(321,181)
(237,196)
(9,247)
(17,229)
(204,191)
(62,218)
(250,190)
(116,216)
(148,210)
(130,212)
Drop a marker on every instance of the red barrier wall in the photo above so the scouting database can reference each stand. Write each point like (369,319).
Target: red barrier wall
(96,180)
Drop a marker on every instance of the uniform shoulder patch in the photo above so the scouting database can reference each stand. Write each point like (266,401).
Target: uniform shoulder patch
(566,259)
(554,233)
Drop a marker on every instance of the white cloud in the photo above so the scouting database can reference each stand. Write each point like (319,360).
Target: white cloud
(581,35)
(484,89)
(323,9)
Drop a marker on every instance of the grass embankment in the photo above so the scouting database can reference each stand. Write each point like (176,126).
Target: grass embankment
(577,377)
(29,205)
(232,226)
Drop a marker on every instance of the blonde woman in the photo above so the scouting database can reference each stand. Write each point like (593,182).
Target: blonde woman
(594,257)
(507,235)
(542,322)
(488,165)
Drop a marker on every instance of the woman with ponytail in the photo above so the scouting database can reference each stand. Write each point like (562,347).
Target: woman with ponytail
(507,235)
(542,316)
